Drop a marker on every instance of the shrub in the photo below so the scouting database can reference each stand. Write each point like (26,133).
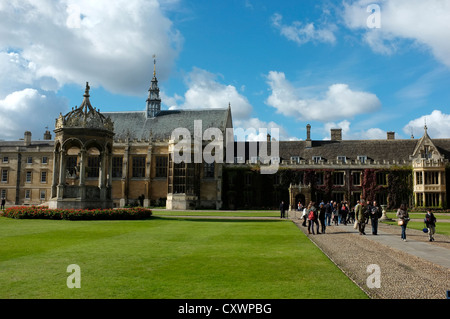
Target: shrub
(42,212)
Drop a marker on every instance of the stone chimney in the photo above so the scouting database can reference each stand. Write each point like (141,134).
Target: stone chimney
(336,134)
(268,138)
(27,138)
(308,136)
(47,135)
(391,135)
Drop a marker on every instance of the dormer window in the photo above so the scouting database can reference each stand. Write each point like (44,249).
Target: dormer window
(316,159)
(295,159)
(362,159)
(342,159)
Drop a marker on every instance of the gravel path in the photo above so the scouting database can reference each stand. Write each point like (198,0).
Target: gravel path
(402,275)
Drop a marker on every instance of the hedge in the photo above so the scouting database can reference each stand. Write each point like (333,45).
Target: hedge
(42,212)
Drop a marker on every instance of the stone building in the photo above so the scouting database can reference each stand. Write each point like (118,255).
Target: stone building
(129,158)
(390,171)
(125,158)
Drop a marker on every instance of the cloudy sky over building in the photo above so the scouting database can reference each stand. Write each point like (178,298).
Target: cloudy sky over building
(366,66)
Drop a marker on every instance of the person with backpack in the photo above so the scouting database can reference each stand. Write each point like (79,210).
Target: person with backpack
(430,222)
(312,218)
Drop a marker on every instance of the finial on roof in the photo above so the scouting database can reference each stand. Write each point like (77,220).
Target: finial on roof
(154,64)
(86,92)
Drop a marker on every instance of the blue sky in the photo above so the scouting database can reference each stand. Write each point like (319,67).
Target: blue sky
(279,64)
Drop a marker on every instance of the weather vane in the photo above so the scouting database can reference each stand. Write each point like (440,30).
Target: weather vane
(154,64)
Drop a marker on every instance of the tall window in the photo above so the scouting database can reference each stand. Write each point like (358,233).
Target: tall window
(4,176)
(27,194)
(117,163)
(419,179)
(356,178)
(42,195)
(208,170)
(3,194)
(44,160)
(381,178)
(338,178)
(28,176)
(93,166)
(179,178)
(139,166)
(161,166)
(29,160)
(319,178)
(44,177)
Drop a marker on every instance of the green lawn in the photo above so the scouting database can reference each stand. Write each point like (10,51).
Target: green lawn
(166,258)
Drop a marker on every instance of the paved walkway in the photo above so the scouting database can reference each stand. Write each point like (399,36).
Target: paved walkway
(429,251)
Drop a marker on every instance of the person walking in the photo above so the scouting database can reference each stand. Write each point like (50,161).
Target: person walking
(322,212)
(430,222)
(335,214)
(344,213)
(360,210)
(305,215)
(3,203)
(328,212)
(403,218)
(282,209)
(375,213)
(312,219)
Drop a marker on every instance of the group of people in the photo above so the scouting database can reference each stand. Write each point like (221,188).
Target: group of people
(318,218)
(339,213)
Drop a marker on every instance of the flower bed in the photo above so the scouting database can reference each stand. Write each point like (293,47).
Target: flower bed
(42,212)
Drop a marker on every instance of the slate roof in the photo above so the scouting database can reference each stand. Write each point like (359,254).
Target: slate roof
(375,150)
(136,125)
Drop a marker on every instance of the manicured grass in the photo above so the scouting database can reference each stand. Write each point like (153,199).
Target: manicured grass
(230,213)
(166,258)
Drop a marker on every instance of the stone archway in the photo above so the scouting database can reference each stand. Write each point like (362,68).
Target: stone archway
(297,191)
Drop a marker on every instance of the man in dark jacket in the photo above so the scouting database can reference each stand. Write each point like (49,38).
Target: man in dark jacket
(430,222)
(375,213)
(282,210)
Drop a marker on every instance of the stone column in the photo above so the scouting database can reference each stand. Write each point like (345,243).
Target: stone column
(55,172)
(102,175)
(82,174)
(148,175)
(62,174)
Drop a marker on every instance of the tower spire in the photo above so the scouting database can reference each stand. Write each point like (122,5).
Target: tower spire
(153,100)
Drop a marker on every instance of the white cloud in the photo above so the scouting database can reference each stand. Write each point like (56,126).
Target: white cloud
(108,43)
(338,102)
(302,33)
(438,125)
(18,111)
(426,23)
(257,130)
(206,92)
